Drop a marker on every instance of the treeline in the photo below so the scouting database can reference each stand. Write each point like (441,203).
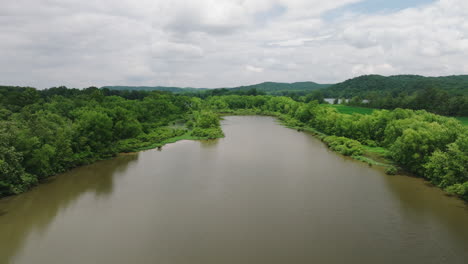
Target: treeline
(46,132)
(441,95)
(426,144)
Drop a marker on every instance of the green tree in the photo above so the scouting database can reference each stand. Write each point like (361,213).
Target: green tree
(13,178)
(450,167)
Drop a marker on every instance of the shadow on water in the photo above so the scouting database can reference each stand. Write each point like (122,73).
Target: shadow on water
(32,212)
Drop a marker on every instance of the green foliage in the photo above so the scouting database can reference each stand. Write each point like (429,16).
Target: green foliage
(206,119)
(46,132)
(344,145)
(315,96)
(207,133)
(13,178)
(449,167)
(459,189)
(305,112)
(392,170)
(206,125)
(149,140)
(93,131)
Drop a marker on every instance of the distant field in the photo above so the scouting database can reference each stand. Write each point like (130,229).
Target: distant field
(366,111)
(463,120)
(352,109)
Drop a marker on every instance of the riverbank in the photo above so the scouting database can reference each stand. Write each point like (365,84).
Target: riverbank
(152,145)
(156,139)
(369,152)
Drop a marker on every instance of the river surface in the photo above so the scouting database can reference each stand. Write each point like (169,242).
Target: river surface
(263,194)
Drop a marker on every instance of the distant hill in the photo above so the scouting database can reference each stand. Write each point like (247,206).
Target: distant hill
(276,88)
(154,88)
(393,85)
(442,95)
(266,87)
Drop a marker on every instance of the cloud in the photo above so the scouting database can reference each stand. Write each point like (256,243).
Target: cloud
(297,42)
(253,68)
(176,51)
(209,43)
(363,69)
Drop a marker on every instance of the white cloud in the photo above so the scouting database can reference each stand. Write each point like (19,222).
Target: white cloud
(363,69)
(209,43)
(253,68)
(297,42)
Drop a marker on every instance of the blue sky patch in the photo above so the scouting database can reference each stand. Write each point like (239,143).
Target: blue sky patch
(376,6)
(275,11)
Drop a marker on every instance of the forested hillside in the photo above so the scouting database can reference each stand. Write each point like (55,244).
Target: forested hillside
(275,88)
(155,88)
(272,88)
(443,95)
(361,86)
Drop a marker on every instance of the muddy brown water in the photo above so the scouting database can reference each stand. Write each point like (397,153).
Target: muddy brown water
(262,194)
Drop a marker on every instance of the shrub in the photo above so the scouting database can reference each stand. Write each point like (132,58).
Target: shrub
(391,170)
(458,189)
(345,146)
(208,133)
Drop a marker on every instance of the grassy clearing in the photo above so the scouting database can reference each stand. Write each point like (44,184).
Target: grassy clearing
(463,120)
(344,109)
(377,150)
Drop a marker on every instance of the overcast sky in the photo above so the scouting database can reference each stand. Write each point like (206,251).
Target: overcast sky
(224,43)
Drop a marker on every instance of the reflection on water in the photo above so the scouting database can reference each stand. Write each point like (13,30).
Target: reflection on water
(209,143)
(33,211)
(262,194)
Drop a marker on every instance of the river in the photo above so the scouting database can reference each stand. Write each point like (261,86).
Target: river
(262,194)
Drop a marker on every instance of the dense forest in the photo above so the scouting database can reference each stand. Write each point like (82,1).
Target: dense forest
(442,95)
(44,132)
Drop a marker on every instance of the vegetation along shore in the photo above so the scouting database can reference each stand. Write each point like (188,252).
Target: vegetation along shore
(45,132)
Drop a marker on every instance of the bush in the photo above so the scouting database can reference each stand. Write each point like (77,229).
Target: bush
(458,189)
(208,133)
(370,143)
(206,119)
(345,146)
(391,170)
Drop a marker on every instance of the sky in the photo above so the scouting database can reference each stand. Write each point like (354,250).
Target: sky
(226,43)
